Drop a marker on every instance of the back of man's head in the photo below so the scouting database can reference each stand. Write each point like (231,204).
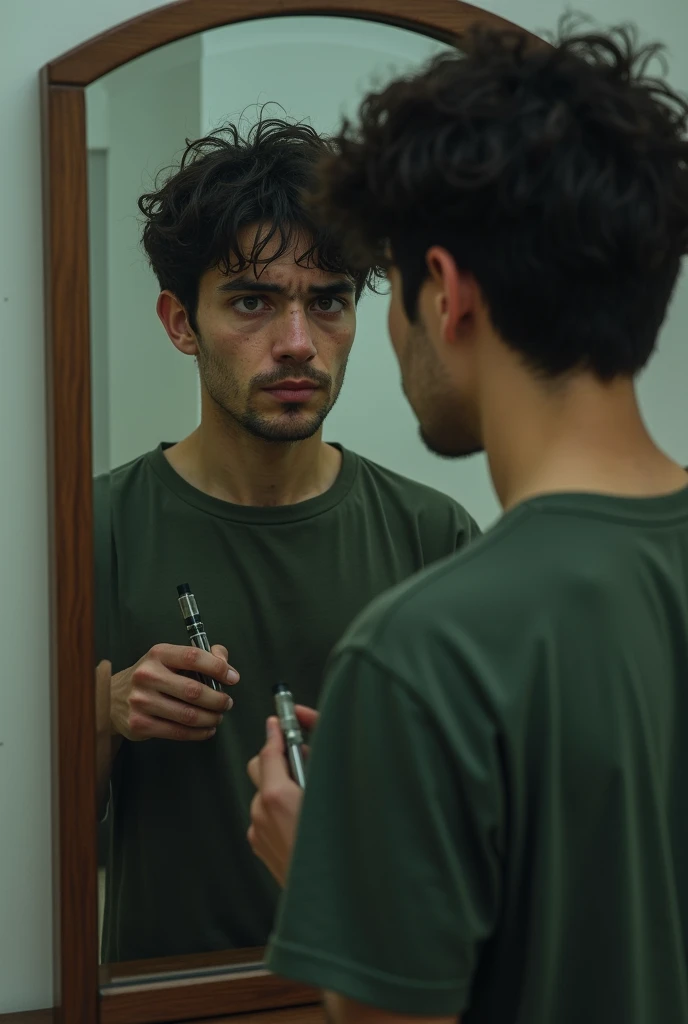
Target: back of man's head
(556,176)
(225,182)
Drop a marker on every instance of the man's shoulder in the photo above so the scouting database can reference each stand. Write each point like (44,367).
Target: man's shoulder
(476,595)
(123,474)
(543,563)
(416,498)
(411,491)
(121,484)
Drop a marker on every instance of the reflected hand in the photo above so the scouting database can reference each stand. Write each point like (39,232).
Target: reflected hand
(103,687)
(276,806)
(152,700)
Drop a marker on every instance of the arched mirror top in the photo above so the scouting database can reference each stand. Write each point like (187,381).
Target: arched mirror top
(444,20)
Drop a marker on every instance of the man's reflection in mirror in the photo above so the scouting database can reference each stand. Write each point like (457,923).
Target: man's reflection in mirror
(282,537)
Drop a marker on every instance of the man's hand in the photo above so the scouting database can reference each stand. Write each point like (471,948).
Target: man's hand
(152,700)
(107,745)
(277,804)
(103,696)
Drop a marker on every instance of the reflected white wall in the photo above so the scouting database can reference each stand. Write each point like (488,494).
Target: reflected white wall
(138,118)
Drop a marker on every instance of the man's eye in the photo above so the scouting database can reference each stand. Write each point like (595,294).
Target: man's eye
(327,304)
(250,304)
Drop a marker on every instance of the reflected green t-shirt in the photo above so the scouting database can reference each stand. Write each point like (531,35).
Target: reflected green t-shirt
(496,812)
(277,586)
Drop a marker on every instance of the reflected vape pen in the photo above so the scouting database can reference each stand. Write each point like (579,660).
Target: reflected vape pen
(195,629)
(291,730)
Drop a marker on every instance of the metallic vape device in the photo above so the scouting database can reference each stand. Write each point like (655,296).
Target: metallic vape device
(291,730)
(195,629)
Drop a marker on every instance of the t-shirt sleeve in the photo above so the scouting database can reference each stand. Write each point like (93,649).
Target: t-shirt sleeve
(467,530)
(394,885)
(446,527)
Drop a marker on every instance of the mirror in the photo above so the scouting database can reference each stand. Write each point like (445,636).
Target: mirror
(283,537)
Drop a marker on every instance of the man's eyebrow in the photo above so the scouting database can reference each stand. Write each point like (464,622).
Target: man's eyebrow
(336,288)
(246,284)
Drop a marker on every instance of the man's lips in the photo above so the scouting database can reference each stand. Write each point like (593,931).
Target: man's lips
(293,390)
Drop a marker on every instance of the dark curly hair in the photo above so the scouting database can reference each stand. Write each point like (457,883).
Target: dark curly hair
(226,181)
(556,175)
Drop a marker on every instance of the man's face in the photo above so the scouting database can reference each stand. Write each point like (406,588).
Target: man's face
(444,406)
(273,343)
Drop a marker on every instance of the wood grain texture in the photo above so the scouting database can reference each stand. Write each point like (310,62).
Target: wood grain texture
(443,19)
(226,982)
(295,1015)
(35,1017)
(133,970)
(292,1015)
(169,1000)
(71,541)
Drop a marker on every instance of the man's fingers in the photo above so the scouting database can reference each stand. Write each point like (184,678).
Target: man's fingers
(158,705)
(308,717)
(253,769)
(273,771)
(147,727)
(153,676)
(220,652)
(190,659)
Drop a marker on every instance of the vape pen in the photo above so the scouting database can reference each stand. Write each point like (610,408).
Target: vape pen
(195,629)
(291,730)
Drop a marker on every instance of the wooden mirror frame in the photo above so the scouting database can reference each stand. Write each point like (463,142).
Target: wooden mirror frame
(78,999)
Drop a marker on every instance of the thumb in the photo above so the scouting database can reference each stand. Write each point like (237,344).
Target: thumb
(103,671)
(273,765)
(308,717)
(274,739)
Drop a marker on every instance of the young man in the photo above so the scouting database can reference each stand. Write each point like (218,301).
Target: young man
(282,538)
(494,823)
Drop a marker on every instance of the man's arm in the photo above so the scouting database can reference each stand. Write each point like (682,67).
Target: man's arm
(274,818)
(395,882)
(107,745)
(340,1010)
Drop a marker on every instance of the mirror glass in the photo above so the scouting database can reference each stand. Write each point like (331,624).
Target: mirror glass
(281,545)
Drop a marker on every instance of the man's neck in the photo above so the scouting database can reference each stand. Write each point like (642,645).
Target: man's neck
(576,436)
(223,460)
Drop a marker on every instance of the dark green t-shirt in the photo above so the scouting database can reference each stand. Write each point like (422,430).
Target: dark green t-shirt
(496,811)
(276,586)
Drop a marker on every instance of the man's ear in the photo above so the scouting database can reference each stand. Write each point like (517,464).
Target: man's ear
(175,320)
(455,294)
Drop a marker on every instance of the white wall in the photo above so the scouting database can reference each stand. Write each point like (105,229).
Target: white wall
(33,33)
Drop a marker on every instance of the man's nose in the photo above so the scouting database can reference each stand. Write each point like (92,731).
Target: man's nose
(295,340)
